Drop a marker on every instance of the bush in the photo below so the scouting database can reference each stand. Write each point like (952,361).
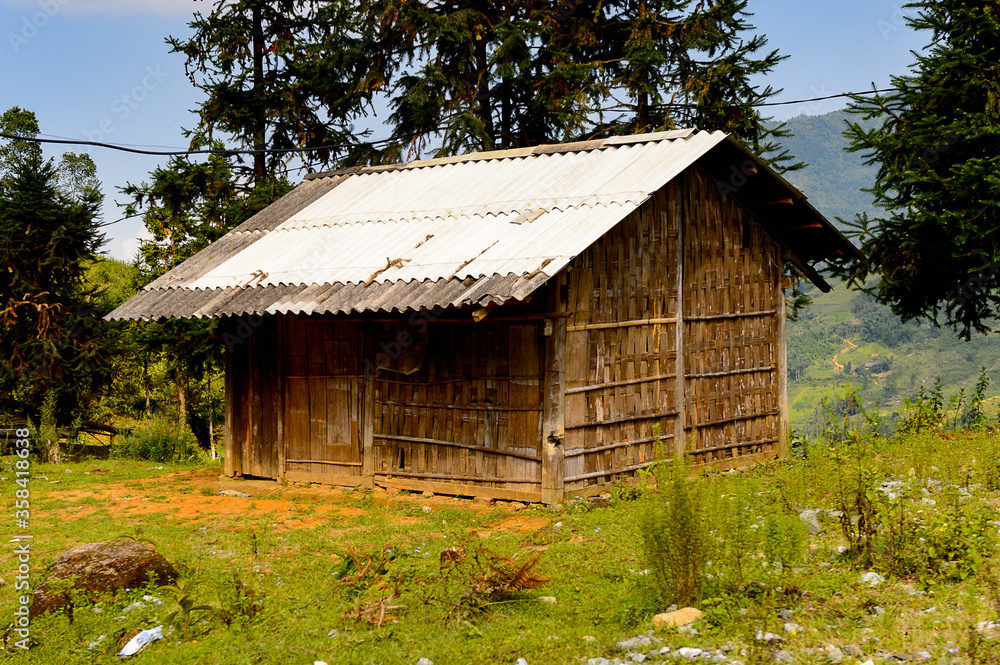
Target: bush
(157,441)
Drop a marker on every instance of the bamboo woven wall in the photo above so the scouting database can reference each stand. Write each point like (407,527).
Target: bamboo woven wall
(471,415)
(731,310)
(621,348)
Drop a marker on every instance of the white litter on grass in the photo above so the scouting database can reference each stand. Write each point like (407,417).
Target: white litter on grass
(136,644)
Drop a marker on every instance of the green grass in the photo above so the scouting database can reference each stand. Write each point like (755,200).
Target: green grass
(288,546)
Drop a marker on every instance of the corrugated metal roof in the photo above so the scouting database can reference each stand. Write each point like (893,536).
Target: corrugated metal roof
(459,231)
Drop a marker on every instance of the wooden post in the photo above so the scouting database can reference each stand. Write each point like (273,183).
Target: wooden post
(367,413)
(554,396)
(782,364)
(279,390)
(676,198)
(233,462)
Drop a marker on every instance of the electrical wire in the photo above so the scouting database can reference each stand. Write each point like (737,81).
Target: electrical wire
(339,146)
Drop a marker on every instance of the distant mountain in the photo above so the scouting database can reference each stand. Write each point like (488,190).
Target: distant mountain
(834,178)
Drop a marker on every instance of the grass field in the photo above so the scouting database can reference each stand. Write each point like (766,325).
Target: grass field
(300,574)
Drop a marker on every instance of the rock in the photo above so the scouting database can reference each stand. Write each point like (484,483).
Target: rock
(426,509)
(834,654)
(520,661)
(639,658)
(484,501)
(784,656)
(682,617)
(234,493)
(768,637)
(589,638)
(333,633)
(873,578)
(96,643)
(639,642)
(427,494)
(877,611)
(103,568)
(517,505)
(900,657)
(551,600)
(793,628)
(785,614)
(689,652)
(556,508)
(598,661)
(425,661)
(599,502)
(2,581)
(319,662)
(854,651)
(811,519)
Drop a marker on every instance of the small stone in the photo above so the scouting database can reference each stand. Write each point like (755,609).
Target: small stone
(96,610)
(900,657)
(96,643)
(426,509)
(319,662)
(784,656)
(811,520)
(598,661)
(2,581)
(834,654)
(589,638)
(639,658)
(877,611)
(427,494)
(767,637)
(484,500)
(425,661)
(520,661)
(551,600)
(664,651)
(689,652)
(873,578)
(333,633)
(676,619)
(793,628)
(517,505)
(785,614)
(557,508)
(854,651)
(234,493)
(868,662)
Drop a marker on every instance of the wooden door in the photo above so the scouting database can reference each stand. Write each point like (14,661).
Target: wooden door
(322,407)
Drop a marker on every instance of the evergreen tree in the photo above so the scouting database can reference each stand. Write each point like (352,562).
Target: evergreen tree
(937,148)
(50,334)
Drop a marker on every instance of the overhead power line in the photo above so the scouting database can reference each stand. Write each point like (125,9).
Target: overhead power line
(337,146)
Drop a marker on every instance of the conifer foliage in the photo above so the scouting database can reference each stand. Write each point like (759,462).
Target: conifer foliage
(937,149)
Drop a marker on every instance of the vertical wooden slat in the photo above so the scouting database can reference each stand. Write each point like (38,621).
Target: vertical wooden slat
(368,432)
(677,214)
(554,396)
(782,368)
(279,390)
(233,464)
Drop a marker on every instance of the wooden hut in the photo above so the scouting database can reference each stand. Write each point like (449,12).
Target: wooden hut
(520,324)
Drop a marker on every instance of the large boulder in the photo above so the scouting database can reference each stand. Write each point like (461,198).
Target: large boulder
(103,568)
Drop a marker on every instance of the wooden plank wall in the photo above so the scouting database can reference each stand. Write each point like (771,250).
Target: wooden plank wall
(470,418)
(253,394)
(621,348)
(323,400)
(733,309)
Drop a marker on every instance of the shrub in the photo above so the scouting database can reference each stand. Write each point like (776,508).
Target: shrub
(157,441)
(674,534)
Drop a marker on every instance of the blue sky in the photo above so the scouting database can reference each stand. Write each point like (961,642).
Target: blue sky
(100,70)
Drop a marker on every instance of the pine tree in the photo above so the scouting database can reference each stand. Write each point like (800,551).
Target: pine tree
(50,333)
(937,147)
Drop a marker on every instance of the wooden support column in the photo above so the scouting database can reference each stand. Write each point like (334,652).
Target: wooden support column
(782,364)
(554,395)
(279,390)
(368,418)
(676,197)
(234,461)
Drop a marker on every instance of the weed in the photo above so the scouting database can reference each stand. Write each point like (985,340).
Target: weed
(674,535)
(186,605)
(157,441)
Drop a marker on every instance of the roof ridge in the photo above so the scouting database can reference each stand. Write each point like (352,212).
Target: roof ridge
(513,153)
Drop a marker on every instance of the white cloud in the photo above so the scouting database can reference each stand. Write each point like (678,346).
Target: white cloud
(77,7)
(125,249)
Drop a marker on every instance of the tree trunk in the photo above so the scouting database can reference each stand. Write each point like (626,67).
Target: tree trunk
(259,132)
